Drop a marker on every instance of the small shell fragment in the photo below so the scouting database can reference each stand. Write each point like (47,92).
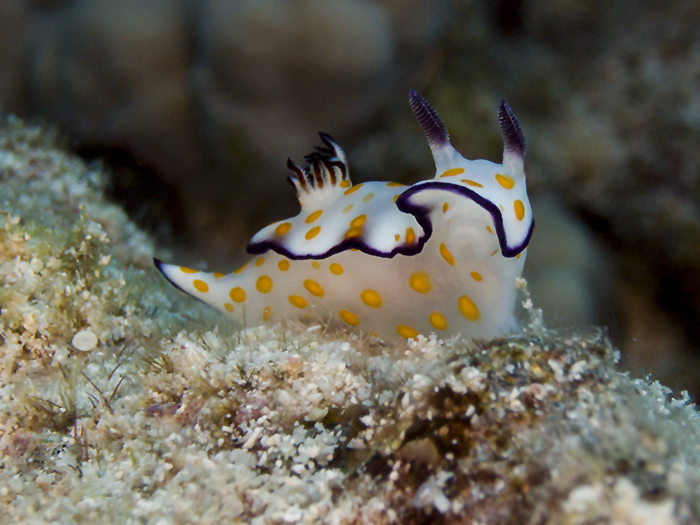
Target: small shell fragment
(84,340)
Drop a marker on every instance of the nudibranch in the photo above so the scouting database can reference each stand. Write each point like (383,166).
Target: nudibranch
(439,256)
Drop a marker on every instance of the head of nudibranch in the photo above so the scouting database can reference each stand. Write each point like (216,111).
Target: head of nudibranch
(439,256)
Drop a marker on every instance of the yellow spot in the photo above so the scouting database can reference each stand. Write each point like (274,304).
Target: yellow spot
(472,183)
(494,252)
(315,215)
(336,269)
(237,294)
(263,284)
(267,312)
(396,197)
(488,229)
(349,317)
(501,207)
(313,232)
(476,276)
(348,208)
(445,207)
(241,269)
(259,261)
(371,298)
(218,275)
(353,232)
(438,321)
(313,288)
(315,265)
(406,331)
(358,221)
(519,209)
(368,197)
(447,255)
(344,184)
(187,270)
(297,301)
(393,184)
(283,228)
(283,265)
(397,237)
(352,190)
(452,172)
(410,236)
(468,309)
(505,181)
(518,256)
(420,282)
(200,285)
(228,307)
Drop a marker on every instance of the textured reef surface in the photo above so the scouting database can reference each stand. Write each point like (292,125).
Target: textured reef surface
(119,402)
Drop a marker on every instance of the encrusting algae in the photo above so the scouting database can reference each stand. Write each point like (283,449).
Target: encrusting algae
(121,403)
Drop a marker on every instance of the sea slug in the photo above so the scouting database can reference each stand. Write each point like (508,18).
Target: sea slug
(439,256)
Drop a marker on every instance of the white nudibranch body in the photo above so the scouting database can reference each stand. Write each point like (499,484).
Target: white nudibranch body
(440,256)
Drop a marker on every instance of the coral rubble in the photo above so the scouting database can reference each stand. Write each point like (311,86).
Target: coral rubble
(117,407)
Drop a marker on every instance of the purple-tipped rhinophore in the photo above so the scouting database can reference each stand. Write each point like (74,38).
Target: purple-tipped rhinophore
(510,129)
(429,120)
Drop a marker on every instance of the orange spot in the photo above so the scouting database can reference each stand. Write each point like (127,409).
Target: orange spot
(200,285)
(313,288)
(336,269)
(518,256)
(452,172)
(218,275)
(315,265)
(237,294)
(505,181)
(267,312)
(476,276)
(297,301)
(406,331)
(263,284)
(313,232)
(352,190)
(348,208)
(368,197)
(349,317)
(315,215)
(228,307)
(187,270)
(494,252)
(420,282)
(241,268)
(259,261)
(447,255)
(468,309)
(283,228)
(519,209)
(344,184)
(358,221)
(472,183)
(353,232)
(488,229)
(397,237)
(396,197)
(371,298)
(438,321)
(393,184)
(445,207)
(283,265)
(410,236)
